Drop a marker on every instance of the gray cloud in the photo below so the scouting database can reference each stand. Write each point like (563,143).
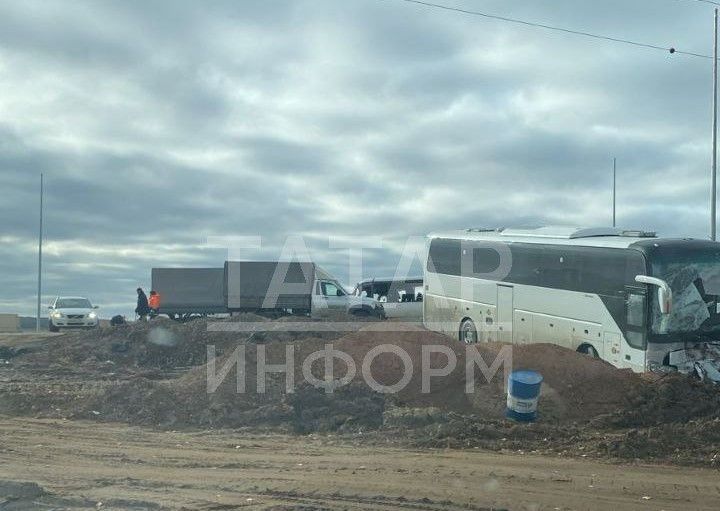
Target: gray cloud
(158,124)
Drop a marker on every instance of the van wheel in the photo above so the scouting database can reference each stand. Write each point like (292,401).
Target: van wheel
(468,332)
(589,350)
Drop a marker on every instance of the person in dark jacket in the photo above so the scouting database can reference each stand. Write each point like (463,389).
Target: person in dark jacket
(142,309)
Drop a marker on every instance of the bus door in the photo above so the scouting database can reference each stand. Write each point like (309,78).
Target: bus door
(636,320)
(504,313)
(625,348)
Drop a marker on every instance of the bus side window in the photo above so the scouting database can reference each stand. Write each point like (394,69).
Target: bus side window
(485,261)
(636,304)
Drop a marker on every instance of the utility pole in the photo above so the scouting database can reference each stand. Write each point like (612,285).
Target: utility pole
(713,178)
(614,189)
(40,240)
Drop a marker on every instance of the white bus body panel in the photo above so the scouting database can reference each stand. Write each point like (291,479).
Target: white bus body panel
(523,314)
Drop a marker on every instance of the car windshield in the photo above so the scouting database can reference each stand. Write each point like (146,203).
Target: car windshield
(73,303)
(695,282)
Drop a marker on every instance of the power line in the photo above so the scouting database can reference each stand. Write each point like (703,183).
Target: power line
(702,1)
(560,29)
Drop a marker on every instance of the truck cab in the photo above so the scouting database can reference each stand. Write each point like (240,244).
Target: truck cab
(329,297)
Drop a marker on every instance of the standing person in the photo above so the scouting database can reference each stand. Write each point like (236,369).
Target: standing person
(154,303)
(142,309)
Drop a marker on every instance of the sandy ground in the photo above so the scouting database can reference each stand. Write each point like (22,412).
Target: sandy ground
(92,465)
(10,339)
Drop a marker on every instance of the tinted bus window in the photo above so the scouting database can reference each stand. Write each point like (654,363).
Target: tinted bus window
(444,256)
(485,260)
(597,270)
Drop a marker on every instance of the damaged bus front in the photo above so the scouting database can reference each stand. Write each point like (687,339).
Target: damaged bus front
(683,327)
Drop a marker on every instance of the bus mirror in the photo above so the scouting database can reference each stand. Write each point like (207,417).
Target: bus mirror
(665,300)
(664,292)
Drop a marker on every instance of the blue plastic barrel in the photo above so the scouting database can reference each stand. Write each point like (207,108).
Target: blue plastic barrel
(523,394)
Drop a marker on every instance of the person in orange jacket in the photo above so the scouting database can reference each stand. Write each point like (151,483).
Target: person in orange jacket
(154,303)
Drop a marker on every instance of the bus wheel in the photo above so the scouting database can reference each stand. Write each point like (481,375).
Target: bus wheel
(468,332)
(589,350)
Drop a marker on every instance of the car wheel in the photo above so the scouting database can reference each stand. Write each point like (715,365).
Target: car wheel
(468,332)
(53,328)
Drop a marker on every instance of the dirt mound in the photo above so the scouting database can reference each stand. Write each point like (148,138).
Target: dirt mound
(579,387)
(471,431)
(307,409)
(158,344)
(349,408)
(161,343)
(138,401)
(388,366)
(576,387)
(692,442)
(304,409)
(157,374)
(675,398)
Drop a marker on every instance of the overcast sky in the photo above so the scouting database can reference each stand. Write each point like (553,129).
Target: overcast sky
(160,124)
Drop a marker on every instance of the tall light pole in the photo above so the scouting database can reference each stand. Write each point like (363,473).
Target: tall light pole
(614,189)
(713,178)
(40,240)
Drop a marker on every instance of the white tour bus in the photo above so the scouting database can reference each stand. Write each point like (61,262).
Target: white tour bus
(628,297)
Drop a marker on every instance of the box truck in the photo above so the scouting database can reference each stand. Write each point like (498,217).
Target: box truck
(257,286)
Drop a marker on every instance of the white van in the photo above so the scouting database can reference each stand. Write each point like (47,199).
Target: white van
(401,298)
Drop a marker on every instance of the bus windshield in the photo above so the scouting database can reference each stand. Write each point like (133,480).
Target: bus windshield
(694,277)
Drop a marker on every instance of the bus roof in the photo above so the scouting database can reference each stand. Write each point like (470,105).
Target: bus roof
(610,237)
(392,279)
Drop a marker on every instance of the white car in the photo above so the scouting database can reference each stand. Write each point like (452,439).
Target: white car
(72,312)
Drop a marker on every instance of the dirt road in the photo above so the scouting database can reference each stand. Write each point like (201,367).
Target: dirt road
(20,338)
(85,463)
